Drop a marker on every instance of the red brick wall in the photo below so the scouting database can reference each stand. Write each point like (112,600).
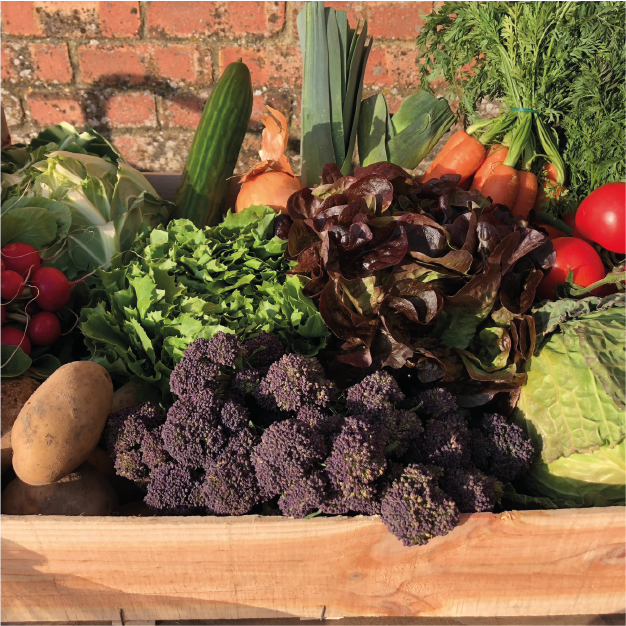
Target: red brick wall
(140,72)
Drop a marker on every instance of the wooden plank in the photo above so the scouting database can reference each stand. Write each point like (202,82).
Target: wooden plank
(164,568)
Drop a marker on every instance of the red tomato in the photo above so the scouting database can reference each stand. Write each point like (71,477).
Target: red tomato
(601,217)
(553,233)
(574,254)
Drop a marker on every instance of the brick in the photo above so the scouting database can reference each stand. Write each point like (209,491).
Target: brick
(279,101)
(7,71)
(178,63)
(131,110)
(47,110)
(18,18)
(119,19)
(68,19)
(270,66)
(225,19)
(182,111)
(106,64)
(354,10)
(16,66)
(403,68)
(51,62)
(376,72)
(396,20)
(12,111)
(157,153)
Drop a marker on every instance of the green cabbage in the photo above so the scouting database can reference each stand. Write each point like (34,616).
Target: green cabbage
(572,405)
(73,197)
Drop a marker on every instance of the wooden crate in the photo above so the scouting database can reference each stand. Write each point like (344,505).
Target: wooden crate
(63,569)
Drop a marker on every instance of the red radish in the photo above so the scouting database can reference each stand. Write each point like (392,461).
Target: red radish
(44,329)
(51,289)
(3,314)
(464,159)
(32,308)
(454,141)
(601,217)
(526,194)
(12,336)
(11,285)
(574,254)
(2,265)
(21,258)
(501,185)
(495,156)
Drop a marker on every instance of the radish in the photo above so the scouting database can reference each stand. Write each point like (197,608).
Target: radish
(3,314)
(11,285)
(2,266)
(51,289)
(12,336)
(21,258)
(44,329)
(31,308)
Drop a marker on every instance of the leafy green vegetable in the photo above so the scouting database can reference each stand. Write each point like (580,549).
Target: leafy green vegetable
(180,283)
(80,207)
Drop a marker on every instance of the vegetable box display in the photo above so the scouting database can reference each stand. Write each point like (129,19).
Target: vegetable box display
(431,351)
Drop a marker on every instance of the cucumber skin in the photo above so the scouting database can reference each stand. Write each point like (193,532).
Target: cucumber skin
(215,148)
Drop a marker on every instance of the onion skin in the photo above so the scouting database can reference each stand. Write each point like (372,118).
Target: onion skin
(268,189)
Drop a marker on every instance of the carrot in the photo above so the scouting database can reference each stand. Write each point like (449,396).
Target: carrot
(495,156)
(455,140)
(549,187)
(502,184)
(466,185)
(464,159)
(526,194)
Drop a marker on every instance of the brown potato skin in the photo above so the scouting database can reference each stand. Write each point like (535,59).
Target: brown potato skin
(61,423)
(83,492)
(14,392)
(124,397)
(127,491)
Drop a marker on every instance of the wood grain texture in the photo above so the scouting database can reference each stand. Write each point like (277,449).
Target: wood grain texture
(516,563)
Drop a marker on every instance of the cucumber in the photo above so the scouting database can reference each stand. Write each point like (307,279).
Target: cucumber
(215,147)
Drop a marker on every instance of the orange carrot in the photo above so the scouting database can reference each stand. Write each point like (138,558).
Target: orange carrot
(526,194)
(502,185)
(495,156)
(466,185)
(455,140)
(549,188)
(464,159)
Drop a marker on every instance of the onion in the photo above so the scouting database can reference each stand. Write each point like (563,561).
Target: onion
(270,189)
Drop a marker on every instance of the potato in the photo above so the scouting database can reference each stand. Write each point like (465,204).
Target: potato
(124,397)
(83,492)
(127,491)
(61,423)
(14,392)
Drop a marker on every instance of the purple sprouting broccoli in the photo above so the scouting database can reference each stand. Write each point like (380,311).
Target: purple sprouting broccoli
(403,431)
(501,449)
(230,485)
(304,497)
(415,509)
(287,452)
(245,382)
(357,458)
(327,424)
(153,452)
(130,465)
(235,416)
(196,371)
(377,392)
(295,381)
(263,350)
(447,443)
(124,430)
(224,349)
(438,403)
(471,490)
(192,433)
(174,490)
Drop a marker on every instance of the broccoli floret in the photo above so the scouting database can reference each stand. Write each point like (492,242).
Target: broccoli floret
(173,490)
(403,430)
(245,382)
(124,430)
(130,465)
(230,486)
(192,433)
(288,450)
(377,392)
(294,381)
(335,503)
(153,452)
(415,509)
(263,350)
(472,490)
(438,403)
(447,443)
(501,449)
(304,497)
(357,458)
(327,425)
(234,416)
(196,371)
(223,349)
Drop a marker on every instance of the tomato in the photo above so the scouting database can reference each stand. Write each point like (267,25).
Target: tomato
(601,217)
(577,255)
(553,233)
